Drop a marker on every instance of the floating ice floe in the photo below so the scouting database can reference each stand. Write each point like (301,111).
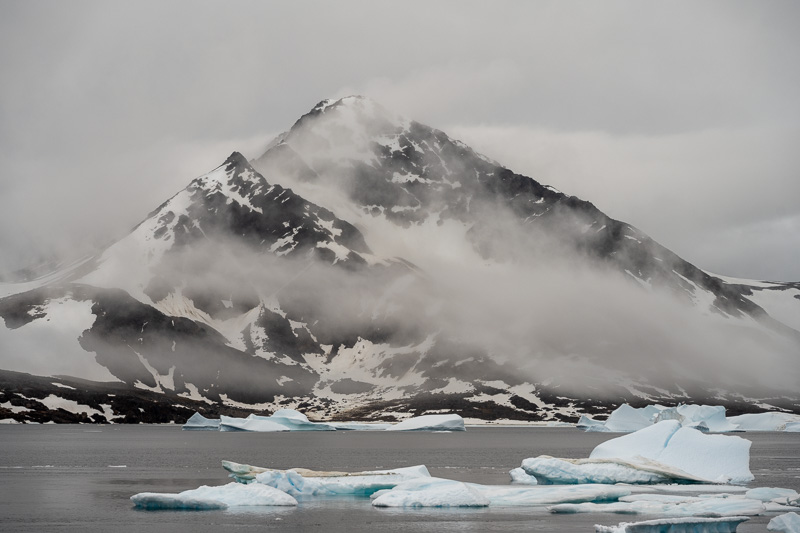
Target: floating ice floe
(662,453)
(291,420)
(304,482)
(787,523)
(430,492)
(430,423)
(774,494)
(707,418)
(677,525)
(198,422)
(222,497)
(438,492)
(766,422)
(712,507)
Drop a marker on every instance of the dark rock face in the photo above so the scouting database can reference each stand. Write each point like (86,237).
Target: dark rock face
(253,295)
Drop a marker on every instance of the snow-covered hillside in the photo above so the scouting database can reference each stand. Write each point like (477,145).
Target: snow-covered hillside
(367,264)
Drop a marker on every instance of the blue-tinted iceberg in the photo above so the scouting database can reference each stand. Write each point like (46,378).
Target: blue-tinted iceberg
(765,421)
(711,507)
(304,482)
(551,470)
(662,453)
(707,418)
(787,523)
(716,458)
(251,423)
(430,423)
(437,492)
(198,422)
(677,525)
(431,492)
(222,497)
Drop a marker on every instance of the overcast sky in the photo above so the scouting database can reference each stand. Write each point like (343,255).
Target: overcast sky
(681,118)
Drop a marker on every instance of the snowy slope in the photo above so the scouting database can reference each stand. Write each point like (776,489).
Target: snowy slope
(369,264)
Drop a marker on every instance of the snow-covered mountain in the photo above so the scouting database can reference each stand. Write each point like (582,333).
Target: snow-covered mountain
(366,264)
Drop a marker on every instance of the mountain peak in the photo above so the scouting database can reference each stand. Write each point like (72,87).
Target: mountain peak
(235,160)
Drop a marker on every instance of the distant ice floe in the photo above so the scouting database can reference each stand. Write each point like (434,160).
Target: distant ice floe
(677,525)
(706,418)
(787,523)
(205,497)
(291,420)
(198,422)
(663,453)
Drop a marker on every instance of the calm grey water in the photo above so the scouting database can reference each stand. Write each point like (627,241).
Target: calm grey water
(68,478)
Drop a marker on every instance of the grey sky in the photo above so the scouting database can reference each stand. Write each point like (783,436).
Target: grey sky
(681,118)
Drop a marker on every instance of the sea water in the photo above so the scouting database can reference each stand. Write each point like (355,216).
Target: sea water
(80,477)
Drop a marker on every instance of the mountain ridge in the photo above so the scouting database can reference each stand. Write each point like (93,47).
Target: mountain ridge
(366,262)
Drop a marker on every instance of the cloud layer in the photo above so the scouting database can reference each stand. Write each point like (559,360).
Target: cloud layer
(108,109)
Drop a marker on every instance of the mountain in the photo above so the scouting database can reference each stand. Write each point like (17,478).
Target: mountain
(366,264)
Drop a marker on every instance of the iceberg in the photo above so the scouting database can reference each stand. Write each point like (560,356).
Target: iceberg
(772,494)
(438,492)
(715,458)
(625,418)
(222,497)
(677,525)
(430,423)
(704,417)
(551,470)
(251,423)
(765,421)
(198,422)
(511,496)
(304,482)
(521,477)
(787,523)
(431,492)
(294,421)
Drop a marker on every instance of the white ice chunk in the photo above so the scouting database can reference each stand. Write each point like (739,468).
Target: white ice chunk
(261,424)
(677,525)
(437,492)
(511,496)
(787,523)
(205,497)
(551,470)
(294,421)
(300,482)
(198,422)
(772,494)
(626,418)
(430,423)
(700,507)
(718,458)
(764,421)
(431,492)
(521,477)
(358,426)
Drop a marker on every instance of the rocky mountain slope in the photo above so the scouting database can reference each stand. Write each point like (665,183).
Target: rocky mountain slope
(365,265)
